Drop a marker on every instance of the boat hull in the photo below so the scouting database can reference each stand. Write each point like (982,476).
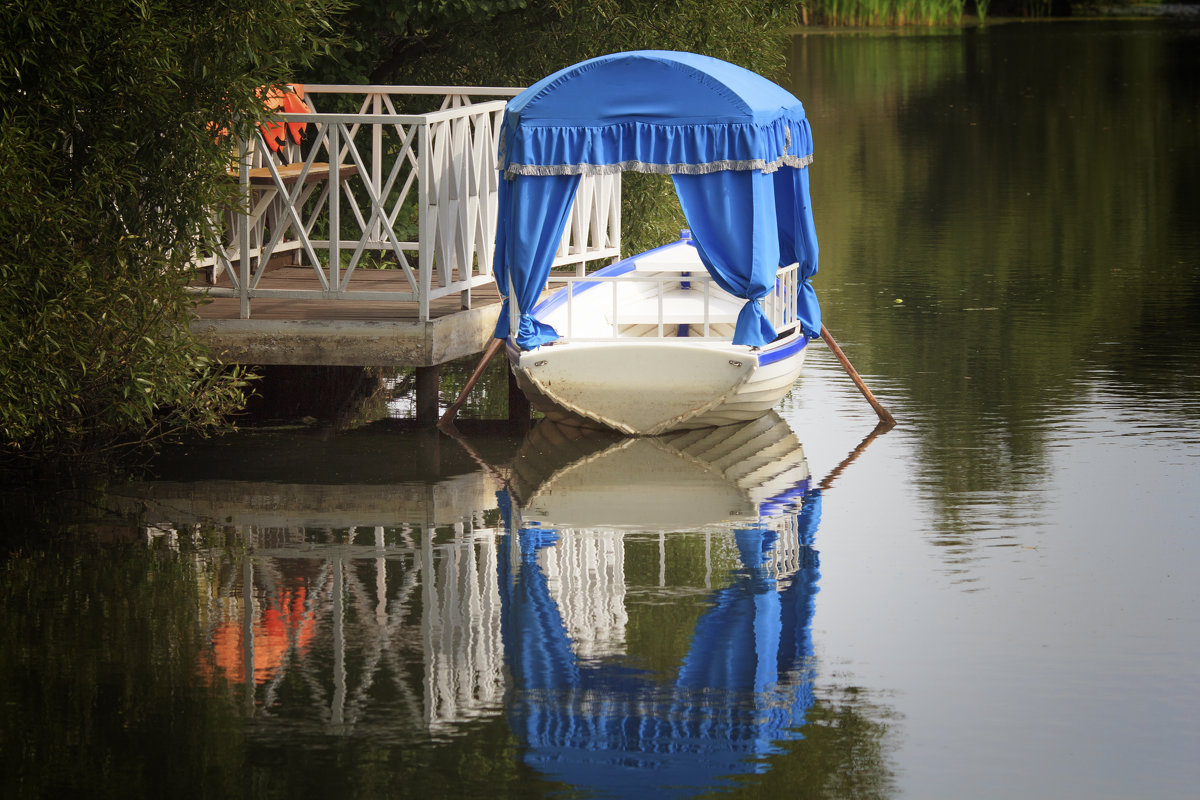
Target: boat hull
(650,387)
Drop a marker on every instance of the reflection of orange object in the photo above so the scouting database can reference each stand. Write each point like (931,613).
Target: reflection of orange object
(280,626)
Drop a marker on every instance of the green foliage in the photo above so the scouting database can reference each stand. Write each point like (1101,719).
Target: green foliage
(926,12)
(384,35)
(111,161)
(517,42)
(517,48)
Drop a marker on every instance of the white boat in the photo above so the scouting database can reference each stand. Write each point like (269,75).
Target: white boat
(710,330)
(647,347)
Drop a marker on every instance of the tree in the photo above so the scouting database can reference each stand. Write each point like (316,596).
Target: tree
(112,159)
(517,42)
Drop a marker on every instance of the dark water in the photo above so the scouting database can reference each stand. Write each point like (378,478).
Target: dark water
(998,598)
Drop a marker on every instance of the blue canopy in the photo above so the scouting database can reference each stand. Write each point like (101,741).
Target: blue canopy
(735,144)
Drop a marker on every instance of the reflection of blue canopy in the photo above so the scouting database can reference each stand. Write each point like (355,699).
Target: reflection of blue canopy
(744,686)
(735,143)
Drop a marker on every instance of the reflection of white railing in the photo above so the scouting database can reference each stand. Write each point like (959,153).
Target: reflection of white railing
(460,629)
(639,301)
(368,628)
(345,616)
(415,194)
(585,576)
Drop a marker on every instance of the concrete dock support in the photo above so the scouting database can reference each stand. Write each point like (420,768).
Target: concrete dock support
(385,343)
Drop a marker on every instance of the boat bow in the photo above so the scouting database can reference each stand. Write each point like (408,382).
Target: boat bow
(636,387)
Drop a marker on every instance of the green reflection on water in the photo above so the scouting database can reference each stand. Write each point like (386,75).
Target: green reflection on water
(1002,214)
(108,690)
(98,645)
(124,673)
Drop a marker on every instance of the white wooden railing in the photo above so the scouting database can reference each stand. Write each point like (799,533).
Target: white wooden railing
(594,228)
(415,193)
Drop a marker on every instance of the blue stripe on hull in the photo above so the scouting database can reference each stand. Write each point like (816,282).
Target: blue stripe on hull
(786,351)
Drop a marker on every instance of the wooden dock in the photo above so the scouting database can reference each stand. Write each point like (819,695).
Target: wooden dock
(295,278)
(345,331)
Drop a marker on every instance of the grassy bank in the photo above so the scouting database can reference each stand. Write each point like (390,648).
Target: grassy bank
(893,13)
(887,12)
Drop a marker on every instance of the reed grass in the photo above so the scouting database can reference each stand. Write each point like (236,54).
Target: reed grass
(889,12)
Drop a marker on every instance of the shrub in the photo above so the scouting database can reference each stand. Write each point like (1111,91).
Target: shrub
(110,164)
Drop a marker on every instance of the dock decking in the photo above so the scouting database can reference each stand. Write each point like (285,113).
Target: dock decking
(410,180)
(345,331)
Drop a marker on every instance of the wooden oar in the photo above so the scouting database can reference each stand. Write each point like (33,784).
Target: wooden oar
(446,423)
(884,417)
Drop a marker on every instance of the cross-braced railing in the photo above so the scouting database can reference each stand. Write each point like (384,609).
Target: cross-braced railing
(379,188)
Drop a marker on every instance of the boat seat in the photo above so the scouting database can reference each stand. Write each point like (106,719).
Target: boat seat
(679,308)
(284,144)
(289,174)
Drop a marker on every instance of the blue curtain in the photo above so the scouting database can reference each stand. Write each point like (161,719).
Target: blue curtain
(608,728)
(536,645)
(746,225)
(651,107)
(732,217)
(532,215)
(798,241)
(663,111)
(735,645)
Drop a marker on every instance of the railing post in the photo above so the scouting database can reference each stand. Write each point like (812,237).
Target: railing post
(616,320)
(335,203)
(661,289)
(614,216)
(456,195)
(244,230)
(514,314)
(377,163)
(570,289)
(425,243)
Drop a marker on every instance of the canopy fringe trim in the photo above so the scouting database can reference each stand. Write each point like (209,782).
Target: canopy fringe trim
(799,162)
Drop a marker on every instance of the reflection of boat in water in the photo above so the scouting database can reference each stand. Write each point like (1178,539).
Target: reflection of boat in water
(585,709)
(548,612)
(573,477)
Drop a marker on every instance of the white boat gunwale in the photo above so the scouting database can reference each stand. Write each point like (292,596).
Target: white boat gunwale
(719,307)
